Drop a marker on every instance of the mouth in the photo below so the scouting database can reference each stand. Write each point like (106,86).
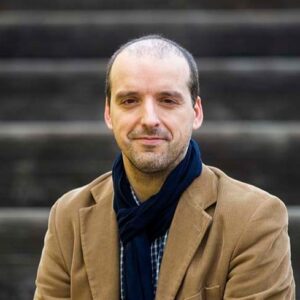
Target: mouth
(150,140)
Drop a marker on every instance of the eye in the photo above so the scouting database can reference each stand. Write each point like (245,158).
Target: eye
(129,101)
(168,101)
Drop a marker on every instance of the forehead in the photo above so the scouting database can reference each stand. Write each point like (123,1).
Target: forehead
(149,70)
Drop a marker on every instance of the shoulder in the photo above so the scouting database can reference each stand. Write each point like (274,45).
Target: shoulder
(247,218)
(239,203)
(235,192)
(69,204)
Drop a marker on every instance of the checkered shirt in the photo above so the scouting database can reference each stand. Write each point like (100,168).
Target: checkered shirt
(156,251)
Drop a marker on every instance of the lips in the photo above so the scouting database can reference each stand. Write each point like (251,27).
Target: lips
(149,138)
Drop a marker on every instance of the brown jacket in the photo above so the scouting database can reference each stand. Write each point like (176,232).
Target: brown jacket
(228,240)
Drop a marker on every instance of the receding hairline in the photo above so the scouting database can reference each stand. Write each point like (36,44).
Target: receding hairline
(156,47)
(142,51)
(159,47)
(153,47)
(149,60)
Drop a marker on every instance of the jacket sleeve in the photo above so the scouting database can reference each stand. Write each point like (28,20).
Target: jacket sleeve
(260,267)
(53,280)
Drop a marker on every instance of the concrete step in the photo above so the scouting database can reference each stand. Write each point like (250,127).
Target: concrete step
(22,232)
(150,4)
(95,34)
(41,161)
(73,90)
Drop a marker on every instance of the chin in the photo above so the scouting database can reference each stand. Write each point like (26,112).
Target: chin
(151,163)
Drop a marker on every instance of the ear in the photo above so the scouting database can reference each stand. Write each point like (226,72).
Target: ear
(198,114)
(107,116)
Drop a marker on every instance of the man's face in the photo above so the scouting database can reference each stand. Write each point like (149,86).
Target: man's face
(151,111)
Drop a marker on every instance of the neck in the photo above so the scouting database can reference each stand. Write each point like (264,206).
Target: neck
(144,185)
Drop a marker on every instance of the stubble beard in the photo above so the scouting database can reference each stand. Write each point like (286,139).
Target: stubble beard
(151,162)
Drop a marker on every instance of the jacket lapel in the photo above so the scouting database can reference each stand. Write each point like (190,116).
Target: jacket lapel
(100,243)
(187,230)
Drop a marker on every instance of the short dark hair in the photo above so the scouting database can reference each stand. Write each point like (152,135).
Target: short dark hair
(193,83)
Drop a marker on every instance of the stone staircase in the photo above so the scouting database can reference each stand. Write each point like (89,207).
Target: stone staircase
(52,136)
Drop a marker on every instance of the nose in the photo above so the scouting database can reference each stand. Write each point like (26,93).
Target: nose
(150,117)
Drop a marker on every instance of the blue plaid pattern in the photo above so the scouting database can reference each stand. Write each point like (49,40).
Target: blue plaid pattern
(156,250)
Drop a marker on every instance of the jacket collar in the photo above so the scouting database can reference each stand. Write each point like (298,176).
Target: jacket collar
(100,240)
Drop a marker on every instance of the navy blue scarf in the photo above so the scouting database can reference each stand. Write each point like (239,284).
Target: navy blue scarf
(140,225)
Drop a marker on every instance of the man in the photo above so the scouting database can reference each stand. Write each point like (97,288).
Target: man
(163,225)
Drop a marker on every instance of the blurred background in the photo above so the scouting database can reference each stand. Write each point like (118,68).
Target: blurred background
(52,136)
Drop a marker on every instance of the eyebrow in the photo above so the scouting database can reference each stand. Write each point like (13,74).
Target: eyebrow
(171,94)
(123,94)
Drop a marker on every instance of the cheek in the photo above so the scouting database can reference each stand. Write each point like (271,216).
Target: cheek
(180,123)
(121,130)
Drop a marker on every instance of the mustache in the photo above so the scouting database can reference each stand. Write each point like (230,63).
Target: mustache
(149,132)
